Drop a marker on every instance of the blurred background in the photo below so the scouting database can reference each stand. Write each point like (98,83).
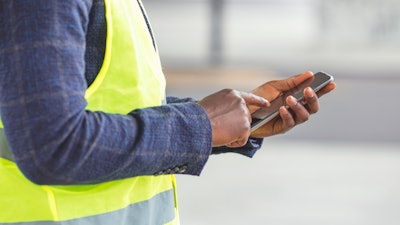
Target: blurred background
(341,167)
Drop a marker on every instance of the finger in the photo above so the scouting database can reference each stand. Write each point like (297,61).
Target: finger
(294,81)
(287,119)
(242,139)
(301,114)
(252,99)
(237,143)
(311,101)
(328,88)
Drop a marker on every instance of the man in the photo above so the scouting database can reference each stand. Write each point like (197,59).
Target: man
(86,138)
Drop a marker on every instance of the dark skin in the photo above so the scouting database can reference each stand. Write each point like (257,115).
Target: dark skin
(298,112)
(230,117)
(230,111)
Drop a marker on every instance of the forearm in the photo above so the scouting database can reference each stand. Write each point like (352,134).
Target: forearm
(101,147)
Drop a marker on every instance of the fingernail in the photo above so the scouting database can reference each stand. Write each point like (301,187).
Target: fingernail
(265,101)
(310,92)
(284,110)
(292,101)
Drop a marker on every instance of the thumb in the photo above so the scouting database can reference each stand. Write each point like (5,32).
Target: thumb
(298,79)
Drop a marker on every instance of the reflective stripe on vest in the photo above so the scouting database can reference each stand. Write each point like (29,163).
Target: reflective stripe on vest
(131,77)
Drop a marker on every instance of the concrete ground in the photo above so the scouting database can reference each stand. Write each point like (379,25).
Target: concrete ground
(297,183)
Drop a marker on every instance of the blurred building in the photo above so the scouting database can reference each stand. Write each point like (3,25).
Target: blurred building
(341,36)
(361,23)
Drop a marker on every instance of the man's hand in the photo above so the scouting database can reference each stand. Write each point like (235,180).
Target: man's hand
(297,113)
(230,117)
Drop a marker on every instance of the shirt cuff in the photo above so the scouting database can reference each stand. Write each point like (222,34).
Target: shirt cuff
(251,147)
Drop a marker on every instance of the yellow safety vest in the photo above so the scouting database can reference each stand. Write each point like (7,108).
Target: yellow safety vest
(131,77)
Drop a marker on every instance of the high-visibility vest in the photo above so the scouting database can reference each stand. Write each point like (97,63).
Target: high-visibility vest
(131,77)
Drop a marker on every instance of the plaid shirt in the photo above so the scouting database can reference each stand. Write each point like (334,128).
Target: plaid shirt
(50,51)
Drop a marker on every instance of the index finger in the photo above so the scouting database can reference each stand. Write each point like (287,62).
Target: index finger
(294,81)
(252,99)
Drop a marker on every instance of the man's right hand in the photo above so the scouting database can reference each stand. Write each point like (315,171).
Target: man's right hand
(230,117)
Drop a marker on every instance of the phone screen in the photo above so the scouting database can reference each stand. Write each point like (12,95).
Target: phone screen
(264,115)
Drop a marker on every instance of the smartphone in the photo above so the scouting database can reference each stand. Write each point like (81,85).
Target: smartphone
(264,115)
